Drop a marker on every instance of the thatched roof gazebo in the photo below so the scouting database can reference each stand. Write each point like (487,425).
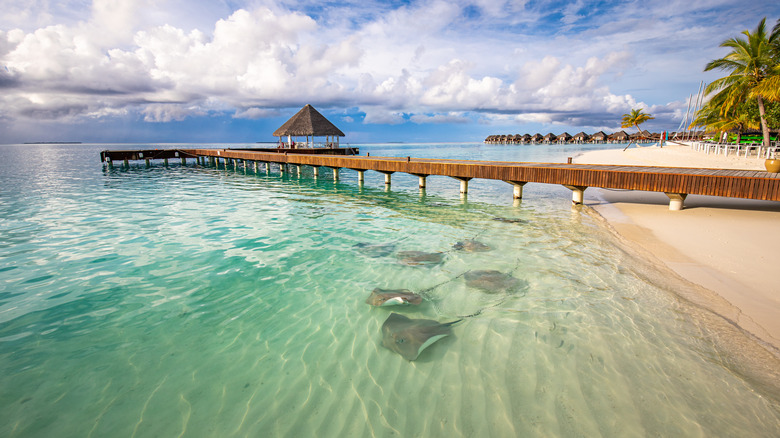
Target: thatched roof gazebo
(308,122)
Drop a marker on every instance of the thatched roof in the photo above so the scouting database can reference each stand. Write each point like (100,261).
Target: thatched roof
(620,135)
(581,136)
(308,121)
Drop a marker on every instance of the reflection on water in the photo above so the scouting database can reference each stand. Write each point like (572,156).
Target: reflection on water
(200,302)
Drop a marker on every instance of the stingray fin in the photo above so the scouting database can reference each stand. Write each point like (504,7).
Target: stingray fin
(395,301)
(428,342)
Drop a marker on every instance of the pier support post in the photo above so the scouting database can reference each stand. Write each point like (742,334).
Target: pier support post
(361,176)
(577,194)
(148,163)
(267,167)
(183,161)
(126,163)
(388,178)
(298,169)
(335,173)
(464,184)
(421,180)
(255,166)
(109,163)
(676,201)
(518,188)
(316,170)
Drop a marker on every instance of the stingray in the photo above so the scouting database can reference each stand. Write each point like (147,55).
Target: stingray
(471,246)
(409,337)
(393,297)
(510,221)
(377,250)
(492,281)
(420,257)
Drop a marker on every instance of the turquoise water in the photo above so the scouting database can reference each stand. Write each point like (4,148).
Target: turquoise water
(193,301)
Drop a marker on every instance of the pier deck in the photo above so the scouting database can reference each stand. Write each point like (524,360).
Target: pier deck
(676,182)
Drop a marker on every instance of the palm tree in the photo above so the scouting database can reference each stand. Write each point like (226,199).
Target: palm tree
(635,118)
(769,89)
(750,62)
(711,117)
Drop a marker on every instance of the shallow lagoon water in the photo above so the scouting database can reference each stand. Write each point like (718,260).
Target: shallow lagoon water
(193,301)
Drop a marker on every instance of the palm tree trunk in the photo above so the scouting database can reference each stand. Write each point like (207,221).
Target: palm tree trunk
(764,127)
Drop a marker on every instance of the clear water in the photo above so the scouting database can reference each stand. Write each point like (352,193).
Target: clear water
(191,301)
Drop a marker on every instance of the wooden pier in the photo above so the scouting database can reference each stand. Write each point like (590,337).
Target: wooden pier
(676,183)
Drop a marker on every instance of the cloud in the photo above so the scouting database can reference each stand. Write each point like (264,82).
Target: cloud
(433,62)
(256,113)
(168,113)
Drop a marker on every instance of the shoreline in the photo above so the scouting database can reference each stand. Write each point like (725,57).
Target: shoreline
(727,247)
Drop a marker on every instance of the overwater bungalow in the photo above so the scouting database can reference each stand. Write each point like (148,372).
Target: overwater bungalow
(599,137)
(537,138)
(526,138)
(580,137)
(309,123)
(550,138)
(564,138)
(618,137)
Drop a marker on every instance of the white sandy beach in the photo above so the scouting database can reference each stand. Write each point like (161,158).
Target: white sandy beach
(728,246)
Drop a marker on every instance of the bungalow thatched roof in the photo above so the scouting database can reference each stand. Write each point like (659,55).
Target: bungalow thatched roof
(620,135)
(308,121)
(599,136)
(581,136)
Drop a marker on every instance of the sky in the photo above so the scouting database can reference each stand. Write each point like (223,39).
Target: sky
(203,71)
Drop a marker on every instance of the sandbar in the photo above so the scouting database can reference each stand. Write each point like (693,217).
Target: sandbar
(728,246)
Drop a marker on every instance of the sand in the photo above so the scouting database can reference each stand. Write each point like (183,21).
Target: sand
(728,246)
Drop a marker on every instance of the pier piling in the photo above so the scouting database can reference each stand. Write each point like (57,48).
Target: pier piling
(676,200)
(577,194)
(518,188)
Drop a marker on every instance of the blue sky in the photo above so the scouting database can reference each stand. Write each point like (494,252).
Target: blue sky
(455,70)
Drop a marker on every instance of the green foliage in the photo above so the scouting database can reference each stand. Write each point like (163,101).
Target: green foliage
(772,113)
(635,118)
(748,96)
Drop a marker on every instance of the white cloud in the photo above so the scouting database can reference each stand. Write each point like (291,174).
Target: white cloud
(170,113)
(255,113)
(426,62)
